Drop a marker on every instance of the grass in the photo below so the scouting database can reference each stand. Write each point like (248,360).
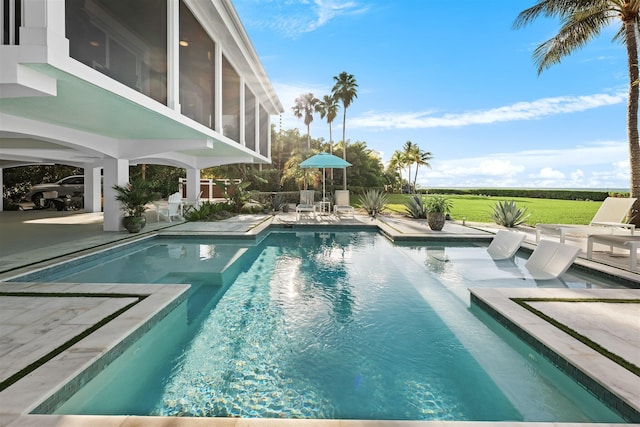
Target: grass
(479,208)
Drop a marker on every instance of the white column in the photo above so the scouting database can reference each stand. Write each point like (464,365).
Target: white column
(242,113)
(217,89)
(44,25)
(92,188)
(116,171)
(193,183)
(173,55)
(256,130)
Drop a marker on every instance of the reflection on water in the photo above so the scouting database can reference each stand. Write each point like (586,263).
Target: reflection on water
(328,325)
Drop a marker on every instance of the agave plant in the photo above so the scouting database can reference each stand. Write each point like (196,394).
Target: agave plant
(507,213)
(415,206)
(373,201)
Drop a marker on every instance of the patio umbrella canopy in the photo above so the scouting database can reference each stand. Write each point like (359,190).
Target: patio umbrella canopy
(324,161)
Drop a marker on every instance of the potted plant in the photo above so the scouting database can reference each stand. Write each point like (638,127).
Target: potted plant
(134,197)
(437,209)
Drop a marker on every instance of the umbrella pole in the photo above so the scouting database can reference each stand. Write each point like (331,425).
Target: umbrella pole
(323,186)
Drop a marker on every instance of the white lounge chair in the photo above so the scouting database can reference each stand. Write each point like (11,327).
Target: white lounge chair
(609,217)
(306,204)
(549,260)
(632,243)
(172,209)
(504,245)
(342,203)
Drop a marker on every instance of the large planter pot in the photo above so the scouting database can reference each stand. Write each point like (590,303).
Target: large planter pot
(436,220)
(133,224)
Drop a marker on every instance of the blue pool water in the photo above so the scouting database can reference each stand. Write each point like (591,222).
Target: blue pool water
(325,325)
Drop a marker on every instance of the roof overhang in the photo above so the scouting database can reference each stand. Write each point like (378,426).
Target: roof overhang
(91,117)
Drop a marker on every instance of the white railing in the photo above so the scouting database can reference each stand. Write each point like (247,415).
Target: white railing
(208,187)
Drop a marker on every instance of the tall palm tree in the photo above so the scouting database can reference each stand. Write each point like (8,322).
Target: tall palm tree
(345,89)
(305,107)
(421,159)
(409,151)
(583,20)
(328,107)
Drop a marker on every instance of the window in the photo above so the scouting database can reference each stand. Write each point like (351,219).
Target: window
(197,54)
(126,40)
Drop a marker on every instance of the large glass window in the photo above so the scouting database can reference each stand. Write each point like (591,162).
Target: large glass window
(230,101)
(197,55)
(124,39)
(249,119)
(264,132)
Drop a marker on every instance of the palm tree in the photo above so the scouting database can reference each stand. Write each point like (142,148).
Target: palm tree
(421,159)
(396,163)
(328,107)
(345,89)
(410,151)
(305,106)
(583,20)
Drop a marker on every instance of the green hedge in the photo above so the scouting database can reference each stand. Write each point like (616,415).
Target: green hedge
(532,193)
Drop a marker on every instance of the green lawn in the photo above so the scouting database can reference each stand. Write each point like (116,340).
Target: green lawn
(479,208)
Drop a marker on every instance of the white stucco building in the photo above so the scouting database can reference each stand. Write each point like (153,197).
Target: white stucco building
(104,84)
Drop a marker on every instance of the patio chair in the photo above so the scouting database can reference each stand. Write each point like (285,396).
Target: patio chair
(548,261)
(609,217)
(306,203)
(504,245)
(172,209)
(342,203)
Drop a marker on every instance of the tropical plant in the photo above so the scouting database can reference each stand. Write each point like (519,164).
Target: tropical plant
(236,195)
(416,207)
(208,211)
(305,107)
(134,197)
(438,203)
(421,159)
(508,214)
(409,152)
(397,163)
(373,201)
(345,89)
(278,201)
(581,21)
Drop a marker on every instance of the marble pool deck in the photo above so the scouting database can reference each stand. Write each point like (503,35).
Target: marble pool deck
(51,332)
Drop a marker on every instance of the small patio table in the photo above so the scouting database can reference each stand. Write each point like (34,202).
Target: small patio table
(624,242)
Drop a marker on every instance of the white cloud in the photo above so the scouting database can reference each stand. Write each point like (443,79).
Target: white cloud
(519,111)
(292,18)
(577,175)
(548,173)
(605,164)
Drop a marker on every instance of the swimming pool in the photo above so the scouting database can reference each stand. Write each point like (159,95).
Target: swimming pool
(324,325)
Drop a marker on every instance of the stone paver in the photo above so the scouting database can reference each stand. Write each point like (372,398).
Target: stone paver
(621,335)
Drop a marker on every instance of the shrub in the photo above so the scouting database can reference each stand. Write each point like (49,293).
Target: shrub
(415,206)
(373,201)
(210,212)
(438,204)
(507,213)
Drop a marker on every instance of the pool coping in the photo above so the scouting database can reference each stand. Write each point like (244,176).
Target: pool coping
(602,376)
(45,385)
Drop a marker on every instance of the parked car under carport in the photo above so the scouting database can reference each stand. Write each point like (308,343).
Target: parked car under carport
(70,187)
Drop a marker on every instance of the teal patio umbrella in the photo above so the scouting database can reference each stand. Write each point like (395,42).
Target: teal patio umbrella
(324,161)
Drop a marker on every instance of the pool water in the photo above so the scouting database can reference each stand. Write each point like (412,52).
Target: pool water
(325,325)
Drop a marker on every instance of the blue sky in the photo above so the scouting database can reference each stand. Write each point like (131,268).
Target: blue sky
(459,81)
